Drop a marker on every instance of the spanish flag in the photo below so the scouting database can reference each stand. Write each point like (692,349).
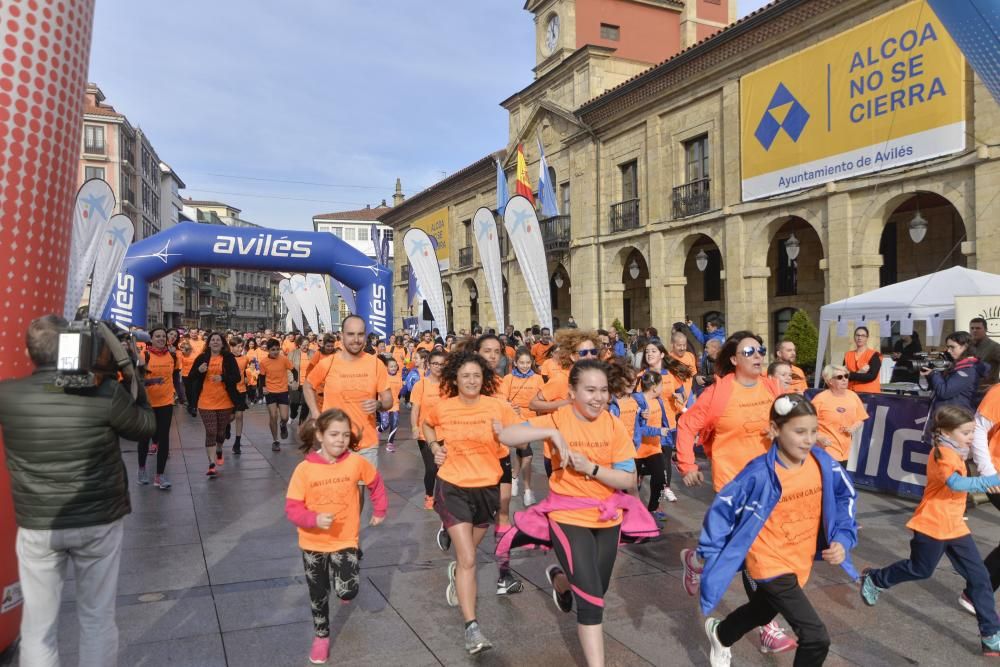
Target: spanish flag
(522,186)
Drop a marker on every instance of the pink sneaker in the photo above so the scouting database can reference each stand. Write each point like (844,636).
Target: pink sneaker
(774,640)
(692,571)
(390,448)
(320,651)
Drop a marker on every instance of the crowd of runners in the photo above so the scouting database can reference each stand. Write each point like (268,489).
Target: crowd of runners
(611,414)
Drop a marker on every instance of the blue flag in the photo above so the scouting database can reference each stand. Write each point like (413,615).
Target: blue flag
(502,195)
(546,193)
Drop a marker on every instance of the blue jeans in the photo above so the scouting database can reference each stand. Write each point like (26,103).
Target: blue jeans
(392,426)
(925,554)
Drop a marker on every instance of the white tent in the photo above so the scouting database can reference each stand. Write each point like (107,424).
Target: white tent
(930,298)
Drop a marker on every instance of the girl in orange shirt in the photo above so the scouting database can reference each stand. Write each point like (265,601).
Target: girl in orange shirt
(939,529)
(651,429)
(214,390)
(395,386)
(186,357)
(253,370)
(236,347)
(425,395)
(323,503)
(518,388)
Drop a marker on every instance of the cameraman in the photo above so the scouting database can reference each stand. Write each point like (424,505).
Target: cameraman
(956,385)
(70,491)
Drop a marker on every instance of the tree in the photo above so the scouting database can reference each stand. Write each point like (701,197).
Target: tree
(804,334)
(622,334)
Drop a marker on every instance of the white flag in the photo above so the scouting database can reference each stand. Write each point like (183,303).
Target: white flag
(424,263)
(91,215)
(321,298)
(110,257)
(526,236)
(294,309)
(300,290)
(488,242)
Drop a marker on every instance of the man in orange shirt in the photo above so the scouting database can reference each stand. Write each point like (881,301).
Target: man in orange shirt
(274,373)
(786,352)
(541,348)
(354,381)
(426,342)
(197,344)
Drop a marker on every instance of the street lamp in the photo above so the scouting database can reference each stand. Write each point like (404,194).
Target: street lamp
(473,294)
(558,280)
(701,260)
(633,269)
(918,226)
(792,246)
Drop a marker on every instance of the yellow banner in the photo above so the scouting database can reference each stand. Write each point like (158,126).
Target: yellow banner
(436,226)
(889,92)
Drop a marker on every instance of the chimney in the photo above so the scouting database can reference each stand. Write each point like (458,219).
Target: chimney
(398,198)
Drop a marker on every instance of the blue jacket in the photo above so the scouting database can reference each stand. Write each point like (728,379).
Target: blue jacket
(740,509)
(410,380)
(719,334)
(619,349)
(643,429)
(959,385)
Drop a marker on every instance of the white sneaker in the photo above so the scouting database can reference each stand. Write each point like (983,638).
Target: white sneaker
(529,498)
(668,495)
(515,487)
(720,656)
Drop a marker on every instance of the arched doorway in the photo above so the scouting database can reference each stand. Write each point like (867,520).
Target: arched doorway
(449,308)
(473,291)
(635,297)
(704,293)
(922,235)
(559,284)
(796,280)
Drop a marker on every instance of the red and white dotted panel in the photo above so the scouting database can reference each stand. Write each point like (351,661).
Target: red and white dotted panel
(44,51)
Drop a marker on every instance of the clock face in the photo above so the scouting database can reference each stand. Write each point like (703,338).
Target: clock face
(551,34)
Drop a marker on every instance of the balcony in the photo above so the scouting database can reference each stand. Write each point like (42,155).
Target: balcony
(465,257)
(404,272)
(556,233)
(625,215)
(94,149)
(691,198)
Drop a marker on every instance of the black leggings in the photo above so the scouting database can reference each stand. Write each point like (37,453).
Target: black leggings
(993,559)
(325,571)
(780,595)
(430,468)
(164,414)
(188,382)
(251,393)
(654,467)
(587,557)
(668,464)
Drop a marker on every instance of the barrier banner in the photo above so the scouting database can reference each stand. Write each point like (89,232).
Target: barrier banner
(525,235)
(889,453)
(488,242)
(110,258)
(91,216)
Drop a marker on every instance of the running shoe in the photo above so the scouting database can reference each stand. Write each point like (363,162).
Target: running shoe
(965,603)
(660,515)
(773,639)
(451,592)
(529,498)
(508,585)
(320,651)
(284,430)
(162,482)
(390,447)
(211,470)
(564,601)
(719,656)
(275,446)
(869,591)
(218,457)
(475,641)
(428,502)
(443,539)
(237,448)
(991,645)
(153,448)
(669,495)
(692,571)
(143,477)
(515,487)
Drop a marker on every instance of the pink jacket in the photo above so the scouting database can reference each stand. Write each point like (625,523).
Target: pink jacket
(531,527)
(302,517)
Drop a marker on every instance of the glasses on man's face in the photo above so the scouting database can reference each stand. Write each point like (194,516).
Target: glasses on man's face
(437,363)
(861,335)
(840,377)
(750,350)
(586,353)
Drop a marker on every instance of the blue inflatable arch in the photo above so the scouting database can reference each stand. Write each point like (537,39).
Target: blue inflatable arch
(252,248)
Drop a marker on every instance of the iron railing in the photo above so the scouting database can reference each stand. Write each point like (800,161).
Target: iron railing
(692,198)
(465,257)
(556,233)
(625,215)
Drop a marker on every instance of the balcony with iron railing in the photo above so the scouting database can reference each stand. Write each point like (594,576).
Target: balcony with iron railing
(465,257)
(556,233)
(692,198)
(625,215)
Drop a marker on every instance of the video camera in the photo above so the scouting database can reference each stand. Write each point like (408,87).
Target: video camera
(90,348)
(935,361)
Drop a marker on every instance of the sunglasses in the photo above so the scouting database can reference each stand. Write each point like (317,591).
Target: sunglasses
(839,377)
(749,351)
(587,353)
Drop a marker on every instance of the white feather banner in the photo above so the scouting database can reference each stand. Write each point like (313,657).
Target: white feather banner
(321,298)
(488,242)
(294,316)
(525,235)
(300,290)
(91,216)
(110,257)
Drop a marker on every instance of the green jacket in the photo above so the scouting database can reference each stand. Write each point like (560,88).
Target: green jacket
(62,451)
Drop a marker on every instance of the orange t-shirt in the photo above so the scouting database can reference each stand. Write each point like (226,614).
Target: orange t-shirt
(798,384)
(650,444)
(331,488)
(305,361)
(276,373)
(426,395)
(186,362)
(510,352)
(688,360)
(160,369)
(345,383)
(741,433)
(288,346)
(628,408)
(399,354)
(550,368)
(519,392)
(538,351)
(313,360)
(422,345)
(854,362)
(786,544)
(197,346)
(990,409)
(939,514)
(466,430)
(836,413)
(557,386)
(313,346)
(605,442)
(213,392)
(242,362)
(395,386)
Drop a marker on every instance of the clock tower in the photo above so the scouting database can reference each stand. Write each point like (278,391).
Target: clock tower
(555,31)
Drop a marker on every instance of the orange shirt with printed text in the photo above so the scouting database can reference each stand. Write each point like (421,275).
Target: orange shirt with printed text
(466,430)
(345,383)
(276,373)
(741,432)
(835,414)
(650,444)
(520,391)
(331,489)
(395,386)
(160,370)
(213,392)
(426,395)
(939,514)
(538,351)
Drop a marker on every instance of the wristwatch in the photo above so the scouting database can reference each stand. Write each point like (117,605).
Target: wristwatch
(593,473)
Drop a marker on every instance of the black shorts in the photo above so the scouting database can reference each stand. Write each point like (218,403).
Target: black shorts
(521,453)
(276,398)
(643,466)
(243,404)
(456,504)
(507,477)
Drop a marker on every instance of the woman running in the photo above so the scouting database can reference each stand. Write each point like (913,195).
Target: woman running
(160,366)
(732,421)
(461,431)
(651,430)
(173,340)
(425,395)
(215,391)
(518,388)
(582,517)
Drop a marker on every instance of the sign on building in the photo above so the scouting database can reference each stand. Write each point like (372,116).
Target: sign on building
(436,226)
(886,93)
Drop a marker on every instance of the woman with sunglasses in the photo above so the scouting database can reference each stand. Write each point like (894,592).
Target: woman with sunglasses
(864,364)
(731,419)
(840,414)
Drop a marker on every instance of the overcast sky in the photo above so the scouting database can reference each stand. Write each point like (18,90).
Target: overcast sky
(339,97)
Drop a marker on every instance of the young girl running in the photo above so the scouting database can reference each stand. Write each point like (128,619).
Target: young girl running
(461,431)
(253,370)
(518,388)
(425,395)
(651,429)
(392,414)
(939,529)
(585,514)
(803,511)
(322,501)
(236,347)
(676,394)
